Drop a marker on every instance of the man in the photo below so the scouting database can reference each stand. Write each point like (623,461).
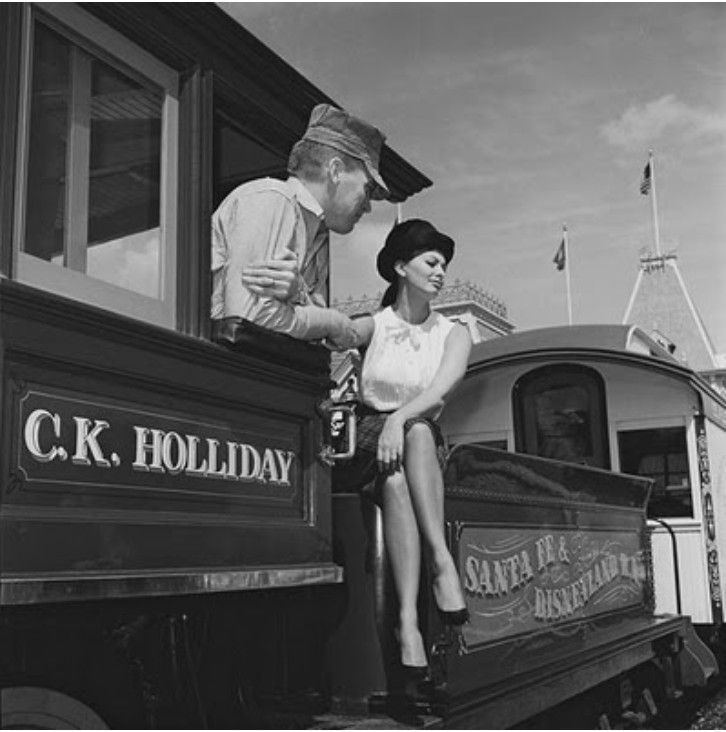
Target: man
(270,238)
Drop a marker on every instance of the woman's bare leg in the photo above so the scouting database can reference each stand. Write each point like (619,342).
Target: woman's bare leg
(426,487)
(404,552)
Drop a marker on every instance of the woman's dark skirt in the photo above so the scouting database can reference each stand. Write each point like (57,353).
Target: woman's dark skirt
(361,473)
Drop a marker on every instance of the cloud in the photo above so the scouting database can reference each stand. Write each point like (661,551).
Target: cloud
(641,124)
(131,262)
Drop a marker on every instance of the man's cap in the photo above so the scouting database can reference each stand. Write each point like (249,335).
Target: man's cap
(406,240)
(342,131)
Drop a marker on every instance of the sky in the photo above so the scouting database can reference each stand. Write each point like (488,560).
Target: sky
(528,117)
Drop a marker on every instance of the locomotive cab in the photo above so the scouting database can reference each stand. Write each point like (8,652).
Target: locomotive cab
(165,514)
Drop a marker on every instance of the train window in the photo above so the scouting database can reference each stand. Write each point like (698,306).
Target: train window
(560,413)
(660,454)
(238,157)
(98,167)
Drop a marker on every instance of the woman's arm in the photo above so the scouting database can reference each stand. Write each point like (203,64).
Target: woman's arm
(450,373)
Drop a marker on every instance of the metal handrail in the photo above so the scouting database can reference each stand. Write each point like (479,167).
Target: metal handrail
(676,571)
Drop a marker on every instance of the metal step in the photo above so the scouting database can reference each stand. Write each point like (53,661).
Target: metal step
(698,663)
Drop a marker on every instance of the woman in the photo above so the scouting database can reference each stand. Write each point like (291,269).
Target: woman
(415,358)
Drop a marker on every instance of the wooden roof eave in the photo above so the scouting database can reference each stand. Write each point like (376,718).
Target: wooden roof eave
(201,35)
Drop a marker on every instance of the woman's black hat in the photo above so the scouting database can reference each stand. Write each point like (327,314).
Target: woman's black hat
(408,239)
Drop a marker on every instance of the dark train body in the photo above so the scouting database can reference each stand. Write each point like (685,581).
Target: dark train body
(174,553)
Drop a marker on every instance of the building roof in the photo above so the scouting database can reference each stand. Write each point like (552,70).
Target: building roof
(662,306)
(480,312)
(459,292)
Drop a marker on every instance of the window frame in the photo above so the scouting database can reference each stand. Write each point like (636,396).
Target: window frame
(665,423)
(106,44)
(553,372)
(234,116)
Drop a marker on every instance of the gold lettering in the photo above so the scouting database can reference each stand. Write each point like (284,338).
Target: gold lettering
(232,449)
(143,448)
(285,459)
(191,466)
(251,461)
(214,470)
(32,436)
(501,586)
(545,551)
(88,440)
(471,572)
(167,453)
(527,571)
(268,467)
(485,579)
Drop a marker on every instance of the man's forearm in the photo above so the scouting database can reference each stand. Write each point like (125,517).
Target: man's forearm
(305,322)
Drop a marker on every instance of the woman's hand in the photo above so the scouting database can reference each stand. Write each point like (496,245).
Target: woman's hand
(390,445)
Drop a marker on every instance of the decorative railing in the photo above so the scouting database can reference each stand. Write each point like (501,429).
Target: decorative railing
(458,292)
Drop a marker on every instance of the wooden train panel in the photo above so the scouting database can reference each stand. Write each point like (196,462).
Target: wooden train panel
(136,461)
(555,564)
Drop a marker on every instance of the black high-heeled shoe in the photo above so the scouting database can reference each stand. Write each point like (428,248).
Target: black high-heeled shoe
(451,618)
(404,709)
(454,618)
(413,674)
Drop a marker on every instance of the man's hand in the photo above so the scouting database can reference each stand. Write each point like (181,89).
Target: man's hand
(342,340)
(278,278)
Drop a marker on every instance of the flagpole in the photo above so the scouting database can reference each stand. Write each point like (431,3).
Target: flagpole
(565,241)
(654,203)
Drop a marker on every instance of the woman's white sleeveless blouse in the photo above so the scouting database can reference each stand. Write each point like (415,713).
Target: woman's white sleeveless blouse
(402,359)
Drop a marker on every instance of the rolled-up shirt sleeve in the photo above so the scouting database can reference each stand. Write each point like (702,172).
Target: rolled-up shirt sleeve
(264,225)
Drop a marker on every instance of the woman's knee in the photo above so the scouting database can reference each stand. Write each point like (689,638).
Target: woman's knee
(419,436)
(396,486)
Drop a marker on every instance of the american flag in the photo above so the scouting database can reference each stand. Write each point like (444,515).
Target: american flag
(645,183)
